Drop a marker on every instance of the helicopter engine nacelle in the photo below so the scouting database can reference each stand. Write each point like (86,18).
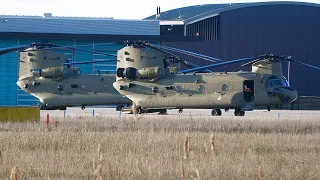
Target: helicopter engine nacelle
(52,72)
(31,59)
(144,73)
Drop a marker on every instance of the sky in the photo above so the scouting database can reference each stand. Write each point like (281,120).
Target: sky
(118,9)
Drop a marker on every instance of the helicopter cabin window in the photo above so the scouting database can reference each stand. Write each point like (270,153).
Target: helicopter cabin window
(74,85)
(248,90)
(224,87)
(83,87)
(201,88)
(60,88)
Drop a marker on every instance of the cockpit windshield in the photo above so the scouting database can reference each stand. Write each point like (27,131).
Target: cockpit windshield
(274,83)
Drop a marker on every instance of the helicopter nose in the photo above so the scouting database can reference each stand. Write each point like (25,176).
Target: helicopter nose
(20,84)
(287,94)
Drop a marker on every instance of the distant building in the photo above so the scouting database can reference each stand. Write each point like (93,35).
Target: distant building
(233,31)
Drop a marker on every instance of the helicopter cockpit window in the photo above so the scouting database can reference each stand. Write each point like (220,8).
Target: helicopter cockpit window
(269,84)
(273,83)
(285,83)
(277,83)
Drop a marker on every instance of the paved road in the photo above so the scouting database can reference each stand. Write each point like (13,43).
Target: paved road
(110,112)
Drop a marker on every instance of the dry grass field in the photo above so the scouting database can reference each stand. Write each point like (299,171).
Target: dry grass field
(163,147)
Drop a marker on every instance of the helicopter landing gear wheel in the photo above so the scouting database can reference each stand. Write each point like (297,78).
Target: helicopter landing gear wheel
(216,112)
(119,107)
(139,110)
(83,107)
(238,112)
(180,111)
(163,112)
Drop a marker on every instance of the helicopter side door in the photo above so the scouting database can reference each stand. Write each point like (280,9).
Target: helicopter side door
(248,90)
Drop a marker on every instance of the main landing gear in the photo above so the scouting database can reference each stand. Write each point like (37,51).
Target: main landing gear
(238,112)
(216,112)
(140,110)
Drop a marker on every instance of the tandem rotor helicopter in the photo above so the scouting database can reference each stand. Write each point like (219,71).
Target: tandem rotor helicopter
(149,77)
(264,86)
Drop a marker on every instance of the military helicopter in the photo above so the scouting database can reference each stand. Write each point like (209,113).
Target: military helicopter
(48,76)
(148,82)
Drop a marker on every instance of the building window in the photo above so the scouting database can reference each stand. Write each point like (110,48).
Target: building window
(172,30)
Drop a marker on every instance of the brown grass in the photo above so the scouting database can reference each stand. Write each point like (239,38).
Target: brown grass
(186,147)
(151,148)
(15,174)
(0,157)
(260,173)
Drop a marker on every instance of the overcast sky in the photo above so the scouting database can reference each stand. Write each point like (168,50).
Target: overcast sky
(118,9)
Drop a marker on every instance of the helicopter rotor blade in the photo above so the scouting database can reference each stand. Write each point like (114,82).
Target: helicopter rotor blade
(301,63)
(188,64)
(201,56)
(282,58)
(191,65)
(252,59)
(57,47)
(158,49)
(50,46)
(90,62)
(11,49)
(218,64)
(78,49)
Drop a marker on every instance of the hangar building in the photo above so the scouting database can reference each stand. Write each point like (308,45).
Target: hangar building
(234,31)
(64,31)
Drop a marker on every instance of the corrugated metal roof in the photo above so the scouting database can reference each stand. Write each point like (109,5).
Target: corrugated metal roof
(196,13)
(243,5)
(188,12)
(73,25)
